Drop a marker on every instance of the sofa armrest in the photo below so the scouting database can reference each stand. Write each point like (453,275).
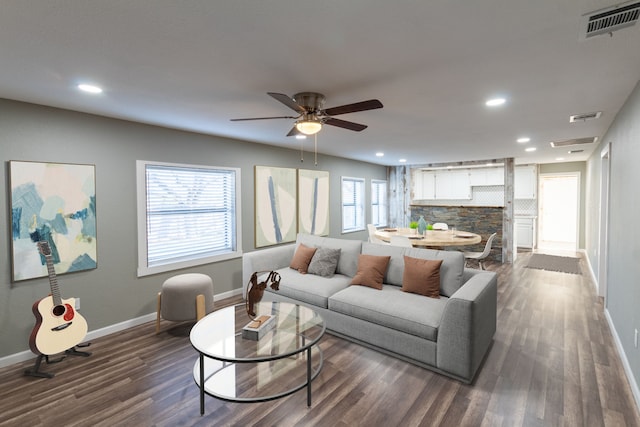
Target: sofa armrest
(268,259)
(468,325)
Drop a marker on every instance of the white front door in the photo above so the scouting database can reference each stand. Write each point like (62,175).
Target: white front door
(558,211)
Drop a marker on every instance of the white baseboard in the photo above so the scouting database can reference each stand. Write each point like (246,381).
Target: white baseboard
(228,294)
(107,330)
(594,280)
(623,357)
(625,361)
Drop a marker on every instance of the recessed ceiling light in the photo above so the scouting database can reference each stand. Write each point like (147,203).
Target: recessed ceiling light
(523,140)
(89,88)
(530,149)
(495,102)
(301,136)
(379,154)
(559,158)
(403,160)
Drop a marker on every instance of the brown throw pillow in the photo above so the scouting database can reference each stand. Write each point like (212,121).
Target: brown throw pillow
(422,276)
(302,258)
(371,270)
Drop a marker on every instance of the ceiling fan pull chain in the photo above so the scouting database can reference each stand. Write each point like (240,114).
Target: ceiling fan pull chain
(315,149)
(301,150)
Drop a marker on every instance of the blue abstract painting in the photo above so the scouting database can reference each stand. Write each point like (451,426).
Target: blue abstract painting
(54,202)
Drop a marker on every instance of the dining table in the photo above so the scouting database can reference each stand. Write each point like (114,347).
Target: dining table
(431,238)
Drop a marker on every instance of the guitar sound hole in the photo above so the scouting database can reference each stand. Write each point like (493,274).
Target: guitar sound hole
(58,310)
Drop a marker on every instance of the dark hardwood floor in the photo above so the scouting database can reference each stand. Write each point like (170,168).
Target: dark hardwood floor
(553,362)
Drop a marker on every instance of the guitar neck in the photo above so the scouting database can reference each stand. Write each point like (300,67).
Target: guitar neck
(53,281)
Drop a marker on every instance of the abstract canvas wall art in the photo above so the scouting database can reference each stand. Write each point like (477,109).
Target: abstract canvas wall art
(313,202)
(275,205)
(54,202)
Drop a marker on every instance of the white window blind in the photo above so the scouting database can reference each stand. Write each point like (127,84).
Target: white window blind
(190,216)
(378,202)
(352,204)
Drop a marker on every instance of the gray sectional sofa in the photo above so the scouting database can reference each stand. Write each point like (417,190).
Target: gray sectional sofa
(449,335)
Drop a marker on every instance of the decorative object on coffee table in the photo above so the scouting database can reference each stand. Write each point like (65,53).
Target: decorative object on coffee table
(255,290)
(258,327)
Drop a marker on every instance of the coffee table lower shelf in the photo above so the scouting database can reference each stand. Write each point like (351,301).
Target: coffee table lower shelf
(245,381)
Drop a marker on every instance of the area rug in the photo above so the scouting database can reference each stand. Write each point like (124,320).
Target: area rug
(563,264)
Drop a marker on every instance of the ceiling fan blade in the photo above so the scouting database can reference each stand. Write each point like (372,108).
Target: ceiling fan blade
(294,131)
(264,118)
(371,104)
(286,100)
(345,124)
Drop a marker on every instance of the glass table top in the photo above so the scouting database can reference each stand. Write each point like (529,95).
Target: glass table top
(219,334)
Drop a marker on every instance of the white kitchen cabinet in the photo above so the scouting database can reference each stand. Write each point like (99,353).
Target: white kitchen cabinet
(453,185)
(424,185)
(441,185)
(525,232)
(486,176)
(525,182)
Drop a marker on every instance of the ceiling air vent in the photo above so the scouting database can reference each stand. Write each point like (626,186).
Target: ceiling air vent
(584,117)
(575,151)
(605,21)
(577,141)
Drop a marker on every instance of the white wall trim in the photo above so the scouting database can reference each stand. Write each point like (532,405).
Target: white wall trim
(594,280)
(616,338)
(625,362)
(107,330)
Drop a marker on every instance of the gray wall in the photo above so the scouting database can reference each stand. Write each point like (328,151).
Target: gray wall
(112,293)
(572,167)
(623,296)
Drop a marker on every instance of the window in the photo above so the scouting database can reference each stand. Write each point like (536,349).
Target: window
(187,216)
(378,202)
(352,204)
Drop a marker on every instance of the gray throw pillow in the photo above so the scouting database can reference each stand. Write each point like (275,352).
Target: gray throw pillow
(324,262)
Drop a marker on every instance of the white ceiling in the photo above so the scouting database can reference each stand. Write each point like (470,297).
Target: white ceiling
(196,64)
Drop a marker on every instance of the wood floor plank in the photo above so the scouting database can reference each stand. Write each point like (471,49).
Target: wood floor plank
(553,362)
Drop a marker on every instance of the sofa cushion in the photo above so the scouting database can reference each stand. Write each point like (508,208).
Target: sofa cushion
(371,270)
(390,307)
(421,276)
(302,258)
(308,288)
(324,262)
(349,251)
(451,270)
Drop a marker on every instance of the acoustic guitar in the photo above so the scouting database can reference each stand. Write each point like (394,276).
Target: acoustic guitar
(58,326)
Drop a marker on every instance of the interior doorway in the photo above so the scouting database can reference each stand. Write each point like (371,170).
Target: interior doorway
(558,211)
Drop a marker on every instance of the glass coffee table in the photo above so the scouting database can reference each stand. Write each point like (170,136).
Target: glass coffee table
(236,369)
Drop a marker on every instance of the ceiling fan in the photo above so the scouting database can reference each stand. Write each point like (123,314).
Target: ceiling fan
(311,114)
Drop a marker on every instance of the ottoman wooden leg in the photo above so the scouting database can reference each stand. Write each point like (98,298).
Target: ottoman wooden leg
(200,311)
(158,314)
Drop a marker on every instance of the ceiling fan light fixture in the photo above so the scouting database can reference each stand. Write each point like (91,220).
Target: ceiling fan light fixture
(308,127)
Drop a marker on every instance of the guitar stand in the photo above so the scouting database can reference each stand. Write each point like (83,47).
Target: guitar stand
(73,352)
(36,372)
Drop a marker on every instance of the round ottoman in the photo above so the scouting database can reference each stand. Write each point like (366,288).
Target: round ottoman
(185,297)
